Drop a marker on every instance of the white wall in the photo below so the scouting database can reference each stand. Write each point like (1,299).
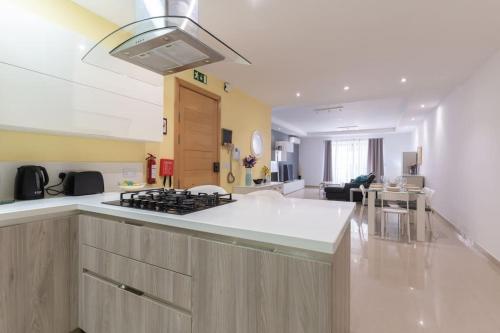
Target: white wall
(311,155)
(394,146)
(312,151)
(461,156)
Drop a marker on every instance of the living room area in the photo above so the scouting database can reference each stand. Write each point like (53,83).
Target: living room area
(420,136)
(337,167)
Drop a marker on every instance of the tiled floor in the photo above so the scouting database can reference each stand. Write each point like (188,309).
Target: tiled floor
(443,285)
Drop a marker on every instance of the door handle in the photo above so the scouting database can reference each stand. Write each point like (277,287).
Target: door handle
(216,167)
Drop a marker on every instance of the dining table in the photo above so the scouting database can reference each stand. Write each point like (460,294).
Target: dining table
(418,196)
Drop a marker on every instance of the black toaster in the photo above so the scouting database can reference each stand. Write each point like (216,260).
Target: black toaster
(83,183)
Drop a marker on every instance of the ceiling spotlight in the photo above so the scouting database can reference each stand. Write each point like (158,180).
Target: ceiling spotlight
(297,94)
(413,119)
(346,88)
(403,80)
(422,106)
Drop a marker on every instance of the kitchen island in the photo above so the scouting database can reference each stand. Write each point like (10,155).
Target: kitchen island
(255,265)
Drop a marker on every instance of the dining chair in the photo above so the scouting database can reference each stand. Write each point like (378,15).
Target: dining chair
(429,194)
(209,189)
(364,201)
(395,203)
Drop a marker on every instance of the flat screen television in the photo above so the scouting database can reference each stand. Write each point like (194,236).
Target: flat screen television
(285,172)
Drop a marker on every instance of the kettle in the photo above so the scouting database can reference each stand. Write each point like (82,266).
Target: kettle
(30,182)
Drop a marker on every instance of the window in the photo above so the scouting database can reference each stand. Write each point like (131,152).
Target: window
(349,159)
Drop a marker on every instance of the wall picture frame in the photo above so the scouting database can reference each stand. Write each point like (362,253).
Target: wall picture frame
(164,126)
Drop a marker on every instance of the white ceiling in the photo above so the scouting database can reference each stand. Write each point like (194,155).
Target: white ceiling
(319,46)
(353,116)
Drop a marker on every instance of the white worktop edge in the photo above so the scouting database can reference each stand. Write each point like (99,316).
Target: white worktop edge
(24,210)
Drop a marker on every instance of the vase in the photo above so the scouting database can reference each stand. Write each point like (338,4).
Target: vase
(248,177)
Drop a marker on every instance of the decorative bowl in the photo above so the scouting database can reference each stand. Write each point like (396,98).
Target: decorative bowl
(258,181)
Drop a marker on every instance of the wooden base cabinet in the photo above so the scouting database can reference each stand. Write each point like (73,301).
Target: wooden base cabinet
(35,272)
(107,308)
(244,290)
(105,276)
(133,278)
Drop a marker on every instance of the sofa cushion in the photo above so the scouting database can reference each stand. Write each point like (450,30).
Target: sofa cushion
(334,189)
(361,179)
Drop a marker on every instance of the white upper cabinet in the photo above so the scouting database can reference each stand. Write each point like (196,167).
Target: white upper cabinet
(44,85)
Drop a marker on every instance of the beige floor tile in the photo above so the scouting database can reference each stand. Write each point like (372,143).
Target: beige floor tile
(443,285)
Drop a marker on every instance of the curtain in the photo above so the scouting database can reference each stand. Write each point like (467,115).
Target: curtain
(327,169)
(376,158)
(349,159)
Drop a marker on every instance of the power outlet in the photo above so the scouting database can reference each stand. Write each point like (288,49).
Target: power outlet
(129,173)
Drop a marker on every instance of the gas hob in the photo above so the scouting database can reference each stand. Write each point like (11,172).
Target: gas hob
(179,202)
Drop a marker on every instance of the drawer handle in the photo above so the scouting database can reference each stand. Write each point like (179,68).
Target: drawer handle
(135,224)
(255,247)
(131,290)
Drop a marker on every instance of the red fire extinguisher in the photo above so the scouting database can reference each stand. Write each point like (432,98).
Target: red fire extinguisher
(151,169)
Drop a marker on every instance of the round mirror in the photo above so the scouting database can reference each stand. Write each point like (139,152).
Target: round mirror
(257,144)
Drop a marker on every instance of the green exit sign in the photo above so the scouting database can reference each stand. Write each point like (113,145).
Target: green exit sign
(199,76)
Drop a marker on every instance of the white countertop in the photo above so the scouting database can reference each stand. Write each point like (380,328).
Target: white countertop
(315,225)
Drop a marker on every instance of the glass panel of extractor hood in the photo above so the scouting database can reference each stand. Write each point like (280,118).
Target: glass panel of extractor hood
(144,43)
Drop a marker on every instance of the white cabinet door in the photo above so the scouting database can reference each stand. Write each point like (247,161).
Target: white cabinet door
(45,87)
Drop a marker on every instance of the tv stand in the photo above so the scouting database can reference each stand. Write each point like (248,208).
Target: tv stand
(243,189)
(293,186)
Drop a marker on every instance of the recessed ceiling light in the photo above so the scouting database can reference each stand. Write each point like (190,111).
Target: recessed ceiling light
(422,106)
(346,88)
(297,94)
(81,47)
(403,80)
(413,119)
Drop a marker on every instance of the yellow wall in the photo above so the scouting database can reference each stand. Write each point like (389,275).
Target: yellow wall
(240,113)
(69,14)
(23,146)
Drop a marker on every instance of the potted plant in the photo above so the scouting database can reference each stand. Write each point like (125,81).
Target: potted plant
(267,173)
(249,162)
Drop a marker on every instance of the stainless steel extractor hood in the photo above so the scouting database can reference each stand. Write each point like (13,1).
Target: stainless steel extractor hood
(164,39)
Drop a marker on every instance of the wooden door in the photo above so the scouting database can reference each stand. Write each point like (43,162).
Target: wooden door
(198,129)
